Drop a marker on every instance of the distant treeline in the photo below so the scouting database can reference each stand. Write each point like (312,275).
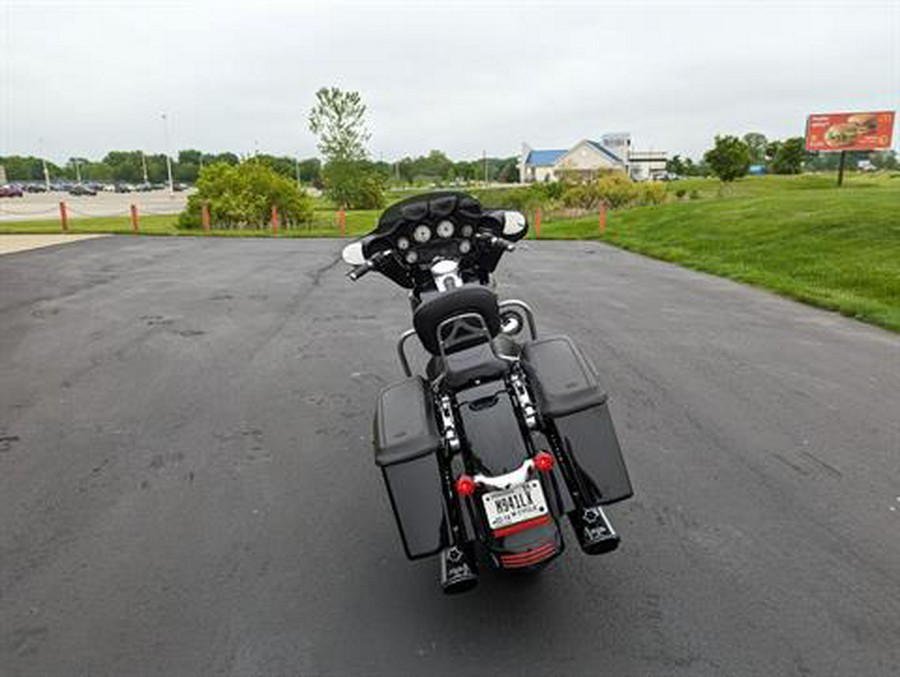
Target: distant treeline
(136,167)
(787,156)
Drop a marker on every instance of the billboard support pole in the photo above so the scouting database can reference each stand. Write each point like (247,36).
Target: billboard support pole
(841,168)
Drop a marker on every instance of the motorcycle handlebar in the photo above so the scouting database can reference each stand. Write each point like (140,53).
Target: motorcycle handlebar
(358,271)
(495,241)
(363,268)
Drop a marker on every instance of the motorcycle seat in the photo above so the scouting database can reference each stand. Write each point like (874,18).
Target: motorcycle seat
(462,367)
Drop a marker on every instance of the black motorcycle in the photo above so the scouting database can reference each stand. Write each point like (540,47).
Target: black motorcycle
(501,438)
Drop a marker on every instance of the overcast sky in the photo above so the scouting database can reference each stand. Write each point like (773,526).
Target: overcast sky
(81,78)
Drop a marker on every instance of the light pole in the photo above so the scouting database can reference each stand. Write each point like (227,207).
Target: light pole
(44,163)
(168,159)
(144,165)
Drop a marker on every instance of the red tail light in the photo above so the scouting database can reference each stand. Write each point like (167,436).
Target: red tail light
(465,485)
(544,461)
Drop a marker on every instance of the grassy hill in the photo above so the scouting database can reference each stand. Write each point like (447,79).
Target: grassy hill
(799,236)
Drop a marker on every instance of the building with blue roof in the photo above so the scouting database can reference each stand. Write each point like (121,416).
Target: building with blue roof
(588,158)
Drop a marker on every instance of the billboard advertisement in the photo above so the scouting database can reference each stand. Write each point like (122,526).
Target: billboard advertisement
(849,131)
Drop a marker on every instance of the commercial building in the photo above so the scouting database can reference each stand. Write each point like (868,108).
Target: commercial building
(588,158)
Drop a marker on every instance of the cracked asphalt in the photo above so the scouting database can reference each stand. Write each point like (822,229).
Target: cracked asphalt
(187,487)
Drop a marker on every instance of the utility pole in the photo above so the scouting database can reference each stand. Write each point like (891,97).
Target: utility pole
(168,159)
(44,163)
(77,170)
(484,162)
(297,168)
(144,164)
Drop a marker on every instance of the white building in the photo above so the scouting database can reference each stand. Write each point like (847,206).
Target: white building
(588,158)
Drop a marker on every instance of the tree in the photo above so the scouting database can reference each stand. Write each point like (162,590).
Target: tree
(675,165)
(884,159)
(757,143)
(311,171)
(338,119)
(729,159)
(789,156)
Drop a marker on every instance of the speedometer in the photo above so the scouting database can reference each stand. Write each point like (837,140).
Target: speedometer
(402,243)
(422,234)
(445,229)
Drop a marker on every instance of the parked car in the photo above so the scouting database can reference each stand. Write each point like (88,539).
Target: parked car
(81,189)
(124,188)
(11,191)
(35,188)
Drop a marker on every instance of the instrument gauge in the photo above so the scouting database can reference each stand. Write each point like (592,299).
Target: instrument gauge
(402,243)
(445,229)
(465,247)
(412,257)
(422,234)
(467,231)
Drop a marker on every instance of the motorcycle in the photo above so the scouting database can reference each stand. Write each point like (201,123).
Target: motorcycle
(502,438)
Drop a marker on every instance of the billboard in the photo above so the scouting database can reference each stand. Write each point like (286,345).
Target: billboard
(849,131)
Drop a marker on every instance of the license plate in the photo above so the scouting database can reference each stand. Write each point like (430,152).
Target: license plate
(517,504)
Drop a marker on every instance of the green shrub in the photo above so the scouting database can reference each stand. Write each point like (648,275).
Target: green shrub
(695,195)
(614,190)
(652,193)
(242,196)
(680,193)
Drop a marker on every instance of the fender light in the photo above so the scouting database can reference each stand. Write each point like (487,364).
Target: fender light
(544,461)
(465,485)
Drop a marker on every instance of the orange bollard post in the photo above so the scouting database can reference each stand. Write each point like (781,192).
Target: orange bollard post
(274,220)
(63,216)
(342,220)
(537,223)
(134,219)
(602,219)
(204,216)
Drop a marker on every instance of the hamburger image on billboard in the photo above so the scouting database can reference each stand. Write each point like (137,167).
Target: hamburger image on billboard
(849,131)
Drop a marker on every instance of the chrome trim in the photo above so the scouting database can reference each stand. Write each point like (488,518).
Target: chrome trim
(525,404)
(401,342)
(446,275)
(529,314)
(447,423)
(510,479)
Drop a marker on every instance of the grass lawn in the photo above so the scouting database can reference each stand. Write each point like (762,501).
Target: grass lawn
(799,236)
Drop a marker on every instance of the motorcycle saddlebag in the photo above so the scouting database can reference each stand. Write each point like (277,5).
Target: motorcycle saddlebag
(407,444)
(568,393)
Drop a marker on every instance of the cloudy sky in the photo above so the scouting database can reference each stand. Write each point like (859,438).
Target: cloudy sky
(81,78)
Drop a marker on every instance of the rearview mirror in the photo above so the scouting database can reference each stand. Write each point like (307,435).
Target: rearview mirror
(513,223)
(353,254)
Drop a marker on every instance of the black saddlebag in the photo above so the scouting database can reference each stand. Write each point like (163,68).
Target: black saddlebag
(407,444)
(569,394)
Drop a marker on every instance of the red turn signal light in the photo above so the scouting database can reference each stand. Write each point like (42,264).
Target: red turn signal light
(465,485)
(543,461)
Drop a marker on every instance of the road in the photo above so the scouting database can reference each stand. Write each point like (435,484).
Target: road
(187,488)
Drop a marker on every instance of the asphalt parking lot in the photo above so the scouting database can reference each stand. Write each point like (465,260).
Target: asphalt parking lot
(40,206)
(187,488)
